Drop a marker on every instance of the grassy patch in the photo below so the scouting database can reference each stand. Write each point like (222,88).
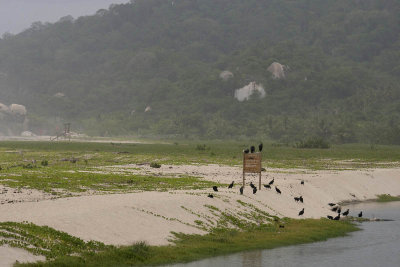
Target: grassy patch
(193,247)
(387,198)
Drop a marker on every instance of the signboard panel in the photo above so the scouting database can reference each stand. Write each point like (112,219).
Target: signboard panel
(252,163)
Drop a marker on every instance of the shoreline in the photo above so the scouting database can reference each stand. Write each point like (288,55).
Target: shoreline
(128,218)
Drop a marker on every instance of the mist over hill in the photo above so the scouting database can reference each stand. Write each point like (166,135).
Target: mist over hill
(173,68)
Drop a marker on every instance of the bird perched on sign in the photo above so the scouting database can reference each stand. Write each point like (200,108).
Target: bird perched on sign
(252,149)
(260,147)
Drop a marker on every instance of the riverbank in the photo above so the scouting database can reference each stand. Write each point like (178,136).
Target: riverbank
(150,217)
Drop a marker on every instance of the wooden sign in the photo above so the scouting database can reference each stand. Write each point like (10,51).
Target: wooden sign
(252,164)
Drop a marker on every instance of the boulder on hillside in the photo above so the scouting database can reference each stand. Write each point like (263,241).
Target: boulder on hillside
(226,75)
(277,70)
(18,109)
(245,92)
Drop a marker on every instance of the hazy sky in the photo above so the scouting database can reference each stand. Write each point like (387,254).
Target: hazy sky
(17,15)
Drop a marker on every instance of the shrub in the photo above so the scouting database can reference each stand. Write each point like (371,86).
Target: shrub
(44,163)
(155,165)
(313,143)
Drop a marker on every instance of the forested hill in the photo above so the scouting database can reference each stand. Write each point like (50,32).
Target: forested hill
(341,64)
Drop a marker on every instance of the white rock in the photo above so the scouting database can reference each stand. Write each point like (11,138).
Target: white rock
(245,92)
(277,70)
(226,75)
(59,95)
(4,108)
(27,134)
(18,109)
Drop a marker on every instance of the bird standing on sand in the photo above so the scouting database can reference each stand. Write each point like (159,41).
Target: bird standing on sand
(231,185)
(360,214)
(267,186)
(331,204)
(254,190)
(346,212)
(272,182)
(210,196)
(334,209)
(241,190)
(339,210)
(301,212)
(215,188)
(260,147)
(302,182)
(296,199)
(252,185)
(301,199)
(252,149)
(277,190)
(337,218)
(329,217)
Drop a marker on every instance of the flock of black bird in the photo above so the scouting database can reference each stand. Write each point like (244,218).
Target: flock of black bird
(338,209)
(335,207)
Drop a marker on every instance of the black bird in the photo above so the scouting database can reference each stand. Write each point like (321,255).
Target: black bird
(296,199)
(215,188)
(281,226)
(334,209)
(331,204)
(360,214)
(337,217)
(346,212)
(267,186)
(210,196)
(272,182)
(260,147)
(301,199)
(231,185)
(329,217)
(254,190)
(241,190)
(339,210)
(302,182)
(246,151)
(301,212)
(252,185)
(277,190)
(252,149)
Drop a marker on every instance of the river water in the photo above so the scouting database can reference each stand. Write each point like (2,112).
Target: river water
(378,244)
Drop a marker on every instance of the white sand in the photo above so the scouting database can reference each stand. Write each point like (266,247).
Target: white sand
(9,255)
(122,219)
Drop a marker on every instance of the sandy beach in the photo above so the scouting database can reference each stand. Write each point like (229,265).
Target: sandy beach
(123,219)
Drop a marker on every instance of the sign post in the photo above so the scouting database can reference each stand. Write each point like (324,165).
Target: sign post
(252,164)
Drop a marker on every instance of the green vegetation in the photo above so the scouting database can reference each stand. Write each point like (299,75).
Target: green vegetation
(387,198)
(186,247)
(342,83)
